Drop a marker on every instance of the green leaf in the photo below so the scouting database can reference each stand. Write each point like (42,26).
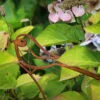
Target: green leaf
(85,17)
(8,70)
(14,16)
(99,70)
(91,88)
(53,88)
(86,86)
(6,58)
(39,62)
(27,86)
(75,34)
(25,79)
(60,33)
(8,74)
(79,56)
(95,90)
(29,90)
(37,30)
(29,7)
(3,26)
(70,95)
(94,29)
(11,68)
(10,14)
(11,49)
(24,30)
(20,13)
(48,77)
(95,18)
(7,81)
(51,85)
(68,74)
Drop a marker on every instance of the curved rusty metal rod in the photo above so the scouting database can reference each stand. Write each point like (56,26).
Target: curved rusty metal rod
(82,71)
(44,98)
(34,40)
(40,57)
(59,64)
(22,43)
(35,68)
(25,64)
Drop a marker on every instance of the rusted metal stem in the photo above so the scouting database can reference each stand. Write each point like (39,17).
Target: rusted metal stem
(39,87)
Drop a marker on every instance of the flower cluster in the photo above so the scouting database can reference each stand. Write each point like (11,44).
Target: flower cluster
(92,38)
(58,13)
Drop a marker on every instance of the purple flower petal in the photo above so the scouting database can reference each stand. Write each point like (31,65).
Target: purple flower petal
(98,39)
(86,43)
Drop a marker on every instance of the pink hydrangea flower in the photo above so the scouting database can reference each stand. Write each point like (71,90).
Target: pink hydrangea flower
(64,16)
(53,17)
(78,10)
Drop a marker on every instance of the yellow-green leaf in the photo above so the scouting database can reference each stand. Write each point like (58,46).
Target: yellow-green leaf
(68,74)
(95,90)
(95,18)
(79,56)
(8,74)
(70,95)
(99,70)
(91,88)
(24,30)
(3,26)
(94,29)
(25,79)
(6,58)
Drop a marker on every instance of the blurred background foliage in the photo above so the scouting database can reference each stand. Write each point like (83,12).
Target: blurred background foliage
(34,10)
